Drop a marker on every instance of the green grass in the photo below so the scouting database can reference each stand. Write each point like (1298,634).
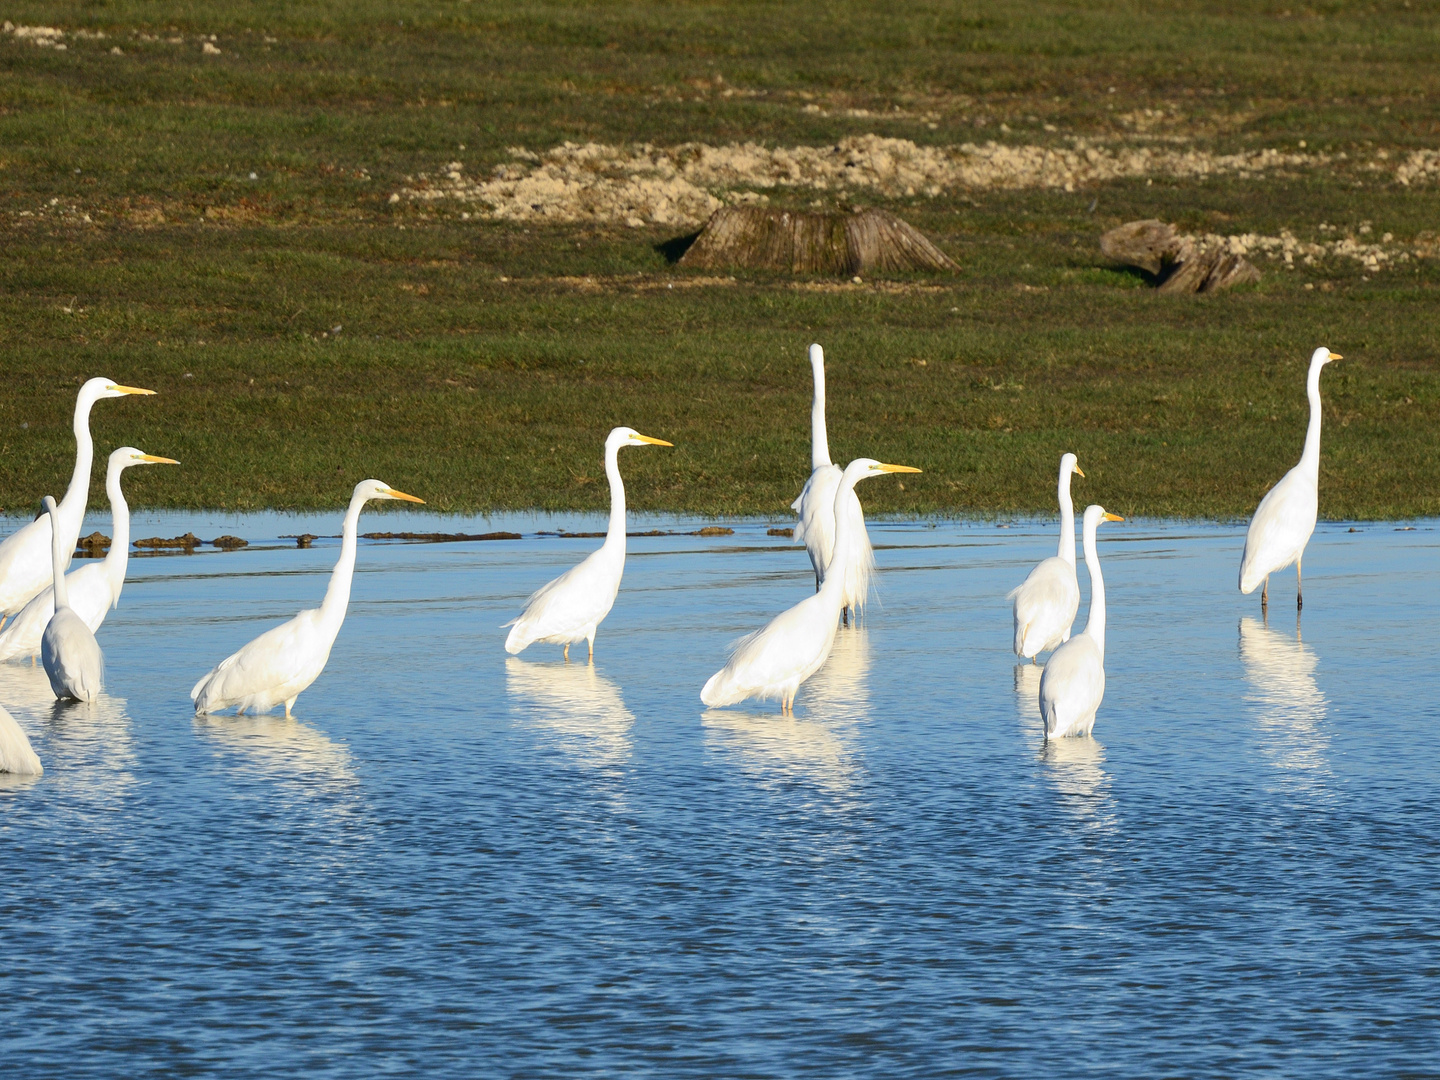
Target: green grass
(477,368)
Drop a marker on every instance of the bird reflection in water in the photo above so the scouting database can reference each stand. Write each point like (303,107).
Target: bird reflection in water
(1075,766)
(581,708)
(282,747)
(1291,709)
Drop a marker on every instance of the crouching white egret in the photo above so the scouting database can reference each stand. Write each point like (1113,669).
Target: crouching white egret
(1047,600)
(16,754)
(280,663)
(25,554)
(1286,515)
(570,608)
(1073,682)
(93,589)
(820,510)
(68,650)
(775,660)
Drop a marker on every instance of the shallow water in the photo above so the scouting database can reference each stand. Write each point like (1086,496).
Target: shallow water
(454,861)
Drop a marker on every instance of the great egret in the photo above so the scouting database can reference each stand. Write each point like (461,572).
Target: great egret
(570,608)
(1047,600)
(1073,682)
(25,554)
(1286,515)
(95,588)
(68,650)
(819,508)
(282,662)
(775,660)
(16,754)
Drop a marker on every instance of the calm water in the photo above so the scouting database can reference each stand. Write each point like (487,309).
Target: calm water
(454,862)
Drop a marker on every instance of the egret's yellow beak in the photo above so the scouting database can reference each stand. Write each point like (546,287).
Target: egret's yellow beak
(1113,517)
(1078,472)
(652,442)
(154,460)
(130,390)
(1336,356)
(896,468)
(401,495)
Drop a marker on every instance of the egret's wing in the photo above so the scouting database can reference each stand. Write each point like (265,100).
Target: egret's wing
(24,564)
(16,754)
(582,595)
(272,659)
(1281,526)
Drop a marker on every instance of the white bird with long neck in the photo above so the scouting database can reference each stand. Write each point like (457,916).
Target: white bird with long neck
(25,554)
(1285,518)
(1047,601)
(820,510)
(1073,682)
(572,607)
(17,756)
(68,650)
(280,663)
(775,660)
(95,588)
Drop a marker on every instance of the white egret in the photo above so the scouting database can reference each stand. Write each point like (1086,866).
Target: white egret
(570,608)
(25,553)
(68,650)
(16,754)
(1073,682)
(280,663)
(1047,600)
(775,660)
(1286,515)
(95,588)
(819,509)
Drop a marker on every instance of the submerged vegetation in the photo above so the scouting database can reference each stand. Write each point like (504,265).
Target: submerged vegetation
(435,242)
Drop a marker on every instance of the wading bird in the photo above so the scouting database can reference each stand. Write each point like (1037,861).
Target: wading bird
(68,650)
(1073,682)
(25,554)
(570,608)
(819,509)
(16,754)
(95,588)
(1047,600)
(280,663)
(775,660)
(1286,515)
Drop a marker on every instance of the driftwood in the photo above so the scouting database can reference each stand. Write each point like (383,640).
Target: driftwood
(440,538)
(1180,264)
(835,245)
(92,546)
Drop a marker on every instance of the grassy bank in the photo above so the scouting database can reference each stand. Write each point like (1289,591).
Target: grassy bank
(479,363)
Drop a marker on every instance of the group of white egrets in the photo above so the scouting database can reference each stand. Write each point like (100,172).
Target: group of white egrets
(55,615)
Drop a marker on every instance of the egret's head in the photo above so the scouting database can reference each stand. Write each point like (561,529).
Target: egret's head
(375,489)
(126,456)
(817,357)
(1071,464)
(627,436)
(1095,516)
(864,468)
(96,389)
(1323,355)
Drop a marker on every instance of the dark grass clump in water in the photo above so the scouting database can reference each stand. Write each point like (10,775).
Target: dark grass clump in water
(303,331)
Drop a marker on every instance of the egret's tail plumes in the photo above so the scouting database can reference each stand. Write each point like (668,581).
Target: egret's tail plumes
(16,754)
(725,687)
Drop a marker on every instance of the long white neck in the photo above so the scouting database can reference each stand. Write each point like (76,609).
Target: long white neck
(1067,520)
(846,541)
(118,558)
(337,596)
(819,440)
(71,509)
(615,534)
(1095,625)
(1310,459)
(58,560)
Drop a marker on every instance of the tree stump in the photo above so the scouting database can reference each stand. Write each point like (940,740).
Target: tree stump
(1180,263)
(827,245)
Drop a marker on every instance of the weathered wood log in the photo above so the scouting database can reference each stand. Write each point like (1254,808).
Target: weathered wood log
(1148,244)
(830,245)
(1181,264)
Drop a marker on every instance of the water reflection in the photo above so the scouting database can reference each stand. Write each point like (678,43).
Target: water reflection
(771,747)
(840,691)
(278,746)
(1074,767)
(576,704)
(1281,672)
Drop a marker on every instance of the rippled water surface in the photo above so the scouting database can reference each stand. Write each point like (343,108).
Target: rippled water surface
(450,861)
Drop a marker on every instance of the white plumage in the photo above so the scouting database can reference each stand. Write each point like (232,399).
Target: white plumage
(819,507)
(280,663)
(95,588)
(775,660)
(571,608)
(1073,682)
(69,652)
(1047,600)
(1286,515)
(16,754)
(25,554)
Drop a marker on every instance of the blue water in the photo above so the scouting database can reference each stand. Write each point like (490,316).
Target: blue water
(454,863)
